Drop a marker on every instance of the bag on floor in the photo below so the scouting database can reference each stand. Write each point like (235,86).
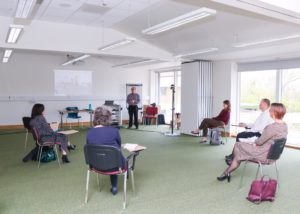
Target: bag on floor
(161,119)
(215,137)
(48,156)
(263,189)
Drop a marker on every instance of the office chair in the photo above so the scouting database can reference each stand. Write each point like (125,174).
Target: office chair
(72,114)
(274,154)
(100,158)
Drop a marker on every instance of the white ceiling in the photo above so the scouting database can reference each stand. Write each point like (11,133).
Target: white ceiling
(230,25)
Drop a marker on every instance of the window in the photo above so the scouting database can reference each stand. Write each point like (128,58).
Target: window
(291,98)
(166,79)
(278,86)
(253,89)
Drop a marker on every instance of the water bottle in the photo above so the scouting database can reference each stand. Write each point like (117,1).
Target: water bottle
(90,107)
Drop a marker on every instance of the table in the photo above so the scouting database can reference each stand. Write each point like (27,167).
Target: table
(62,112)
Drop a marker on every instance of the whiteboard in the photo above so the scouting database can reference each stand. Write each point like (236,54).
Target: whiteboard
(72,82)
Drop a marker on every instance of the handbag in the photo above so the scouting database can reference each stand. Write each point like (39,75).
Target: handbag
(263,189)
(48,156)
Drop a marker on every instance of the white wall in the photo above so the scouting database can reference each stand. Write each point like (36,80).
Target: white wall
(29,78)
(225,86)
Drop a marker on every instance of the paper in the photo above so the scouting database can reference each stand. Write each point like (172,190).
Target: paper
(68,132)
(130,146)
(54,126)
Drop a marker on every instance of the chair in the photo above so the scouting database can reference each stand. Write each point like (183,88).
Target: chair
(274,154)
(36,137)
(26,124)
(224,128)
(72,114)
(100,158)
(150,113)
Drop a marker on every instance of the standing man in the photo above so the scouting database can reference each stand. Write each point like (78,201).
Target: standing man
(133,99)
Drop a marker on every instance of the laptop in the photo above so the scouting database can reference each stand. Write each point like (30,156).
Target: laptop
(109,102)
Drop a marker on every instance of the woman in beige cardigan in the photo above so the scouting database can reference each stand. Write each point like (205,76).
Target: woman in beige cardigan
(260,148)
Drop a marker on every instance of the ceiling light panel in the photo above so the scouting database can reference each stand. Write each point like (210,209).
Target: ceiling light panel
(14,33)
(265,41)
(202,51)
(24,7)
(179,21)
(7,53)
(76,59)
(117,44)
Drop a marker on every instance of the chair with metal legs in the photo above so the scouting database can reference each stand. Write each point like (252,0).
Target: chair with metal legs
(40,145)
(26,121)
(274,154)
(107,160)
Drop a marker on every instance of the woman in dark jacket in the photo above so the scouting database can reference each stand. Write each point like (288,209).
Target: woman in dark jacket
(103,134)
(221,120)
(45,132)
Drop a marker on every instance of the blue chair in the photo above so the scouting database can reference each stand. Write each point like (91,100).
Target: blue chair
(72,114)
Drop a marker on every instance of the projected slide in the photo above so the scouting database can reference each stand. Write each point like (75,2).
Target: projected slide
(72,82)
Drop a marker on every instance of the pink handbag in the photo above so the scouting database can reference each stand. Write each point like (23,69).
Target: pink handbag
(263,189)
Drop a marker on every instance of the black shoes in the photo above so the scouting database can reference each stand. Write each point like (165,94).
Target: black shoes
(65,159)
(114,190)
(224,177)
(128,127)
(71,147)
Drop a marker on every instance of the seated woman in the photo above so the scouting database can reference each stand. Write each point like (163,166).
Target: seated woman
(46,133)
(259,149)
(103,134)
(221,120)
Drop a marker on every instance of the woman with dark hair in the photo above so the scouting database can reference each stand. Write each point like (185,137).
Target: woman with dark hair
(260,148)
(221,120)
(103,134)
(46,134)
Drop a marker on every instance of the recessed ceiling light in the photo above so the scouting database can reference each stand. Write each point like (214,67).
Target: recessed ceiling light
(14,33)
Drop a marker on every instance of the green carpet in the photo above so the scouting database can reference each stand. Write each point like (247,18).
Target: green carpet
(174,175)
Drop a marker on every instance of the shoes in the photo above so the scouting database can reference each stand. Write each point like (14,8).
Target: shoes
(195,132)
(224,177)
(71,147)
(114,190)
(128,127)
(203,140)
(136,127)
(65,159)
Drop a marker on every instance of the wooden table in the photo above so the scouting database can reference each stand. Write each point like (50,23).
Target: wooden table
(62,112)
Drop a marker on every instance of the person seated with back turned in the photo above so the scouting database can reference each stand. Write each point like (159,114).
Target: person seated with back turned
(221,120)
(259,149)
(255,129)
(103,134)
(46,133)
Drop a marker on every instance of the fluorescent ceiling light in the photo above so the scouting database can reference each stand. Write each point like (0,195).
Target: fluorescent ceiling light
(14,33)
(197,52)
(135,63)
(5,60)
(259,42)
(7,53)
(117,44)
(23,8)
(180,20)
(76,59)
